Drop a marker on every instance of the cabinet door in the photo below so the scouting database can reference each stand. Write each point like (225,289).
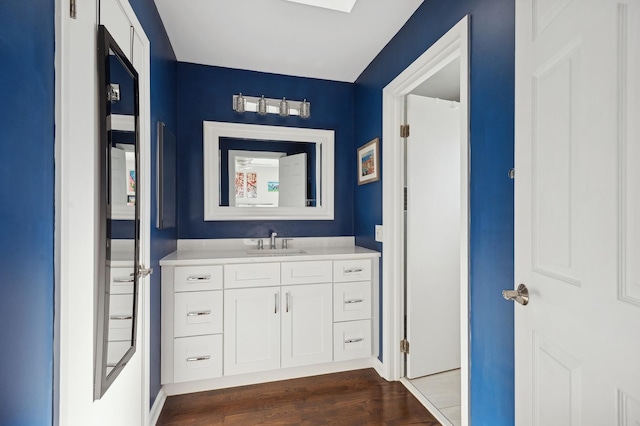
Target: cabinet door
(251,330)
(307,324)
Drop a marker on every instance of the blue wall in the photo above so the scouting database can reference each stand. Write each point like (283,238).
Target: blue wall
(492,112)
(27,192)
(205,93)
(163,108)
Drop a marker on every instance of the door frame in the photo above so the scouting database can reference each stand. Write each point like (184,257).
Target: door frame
(455,43)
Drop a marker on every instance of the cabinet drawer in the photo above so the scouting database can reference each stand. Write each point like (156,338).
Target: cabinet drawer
(197,358)
(351,270)
(196,313)
(198,278)
(306,272)
(120,317)
(352,301)
(351,340)
(121,281)
(252,275)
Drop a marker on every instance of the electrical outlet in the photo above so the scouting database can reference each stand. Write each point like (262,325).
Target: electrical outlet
(379,233)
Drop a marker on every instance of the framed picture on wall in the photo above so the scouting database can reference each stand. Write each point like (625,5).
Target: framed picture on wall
(369,162)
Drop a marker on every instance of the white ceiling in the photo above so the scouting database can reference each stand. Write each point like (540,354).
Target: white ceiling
(283,37)
(445,84)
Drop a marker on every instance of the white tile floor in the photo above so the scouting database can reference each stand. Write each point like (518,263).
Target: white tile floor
(443,390)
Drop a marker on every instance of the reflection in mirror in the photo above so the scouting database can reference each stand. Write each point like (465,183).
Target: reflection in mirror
(267,173)
(255,172)
(117,254)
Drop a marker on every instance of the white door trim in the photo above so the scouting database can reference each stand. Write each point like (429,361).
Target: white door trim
(455,43)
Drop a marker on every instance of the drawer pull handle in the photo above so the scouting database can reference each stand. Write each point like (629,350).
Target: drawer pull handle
(195,279)
(123,280)
(198,358)
(121,317)
(353,301)
(352,270)
(198,313)
(359,339)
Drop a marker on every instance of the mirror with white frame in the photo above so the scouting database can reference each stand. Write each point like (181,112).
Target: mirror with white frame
(257,172)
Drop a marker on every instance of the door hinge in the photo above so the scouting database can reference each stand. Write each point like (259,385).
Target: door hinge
(72,9)
(405,198)
(404,131)
(404,346)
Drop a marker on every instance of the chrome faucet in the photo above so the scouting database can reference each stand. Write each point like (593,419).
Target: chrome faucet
(272,243)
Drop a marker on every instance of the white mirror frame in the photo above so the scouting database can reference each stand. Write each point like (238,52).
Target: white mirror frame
(324,140)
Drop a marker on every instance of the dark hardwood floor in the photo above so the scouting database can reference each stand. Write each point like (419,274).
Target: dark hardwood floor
(358,397)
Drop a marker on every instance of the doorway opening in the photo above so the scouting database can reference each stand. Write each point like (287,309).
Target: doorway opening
(426,232)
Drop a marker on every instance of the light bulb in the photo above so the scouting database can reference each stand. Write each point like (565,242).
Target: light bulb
(284,108)
(262,106)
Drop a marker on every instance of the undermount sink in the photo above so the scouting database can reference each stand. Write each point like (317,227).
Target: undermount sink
(275,252)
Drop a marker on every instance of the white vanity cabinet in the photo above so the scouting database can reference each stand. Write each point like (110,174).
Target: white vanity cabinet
(251,330)
(192,318)
(273,327)
(237,319)
(306,325)
(352,304)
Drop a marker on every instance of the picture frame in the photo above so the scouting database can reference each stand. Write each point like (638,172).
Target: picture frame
(369,162)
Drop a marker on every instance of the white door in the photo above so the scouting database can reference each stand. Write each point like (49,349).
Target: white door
(307,324)
(433,236)
(293,181)
(251,330)
(577,212)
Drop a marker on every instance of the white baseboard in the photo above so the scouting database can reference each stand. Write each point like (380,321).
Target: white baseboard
(268,376)
(154,414)
(379,367)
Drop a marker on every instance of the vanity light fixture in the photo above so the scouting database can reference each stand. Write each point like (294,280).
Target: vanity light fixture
(284,108)
(263,106)
(305,109)
(239,103)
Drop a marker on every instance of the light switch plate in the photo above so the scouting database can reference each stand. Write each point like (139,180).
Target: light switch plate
(379,233)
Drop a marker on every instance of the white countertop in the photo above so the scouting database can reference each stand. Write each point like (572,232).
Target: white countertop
(240,255)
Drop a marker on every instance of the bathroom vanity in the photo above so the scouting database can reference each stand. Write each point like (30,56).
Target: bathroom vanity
(234,314)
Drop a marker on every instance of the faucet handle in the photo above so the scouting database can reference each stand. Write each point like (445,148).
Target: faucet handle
(285,242)
(260,243)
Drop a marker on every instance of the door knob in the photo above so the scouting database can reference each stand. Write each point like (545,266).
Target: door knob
(521,295)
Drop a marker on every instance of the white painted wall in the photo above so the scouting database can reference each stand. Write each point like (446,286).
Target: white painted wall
(433,236)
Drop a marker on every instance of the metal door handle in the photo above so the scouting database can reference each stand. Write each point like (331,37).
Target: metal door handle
(143,272)
(521,295)
(287,301)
